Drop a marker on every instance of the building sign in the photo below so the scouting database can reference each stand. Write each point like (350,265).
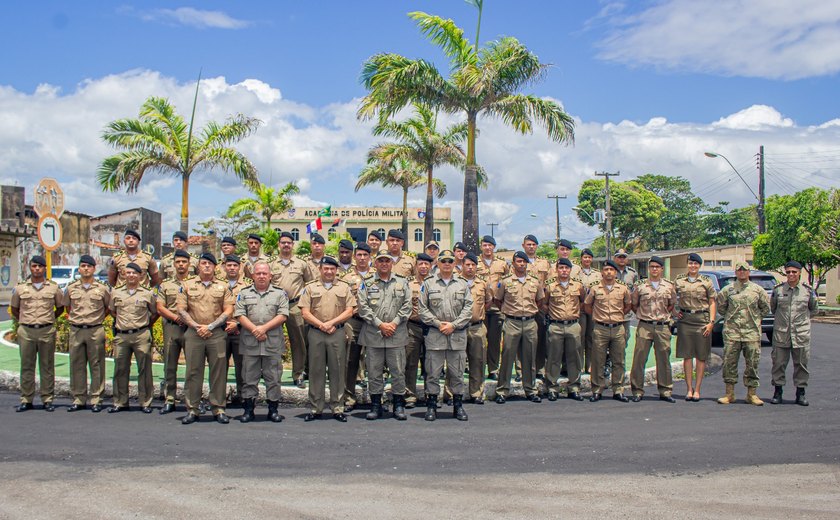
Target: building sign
(362,214)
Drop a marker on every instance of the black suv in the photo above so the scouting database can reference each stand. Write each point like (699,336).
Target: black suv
(721,279)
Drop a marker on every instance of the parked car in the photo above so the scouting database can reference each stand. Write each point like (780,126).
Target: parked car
(64,274)
(721,279)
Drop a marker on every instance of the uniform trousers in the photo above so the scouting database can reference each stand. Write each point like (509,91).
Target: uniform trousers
(494,321)
(354,355)
(520,340)
(541,352)
(87,350)
(732,350)
(377,359)
(297,340)
(476,357)
(140,345)
(173,346)
(614,339)
(412,359)
(211,351)
(563,349)
(455,361)
(327,353)
(658,336)
(585,348)
(781,356)
(37,345)
(269,368)
(232,351)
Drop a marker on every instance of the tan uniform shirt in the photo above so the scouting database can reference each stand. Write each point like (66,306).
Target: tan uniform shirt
(204,302)
(313,269)
(654,303)
(87,305)
(289,275)
(540,267)
(37,306)
(608,304)
(575,272)
(355,280)
(143,259)
(167,266)
(491,273)
(695,295)
(482,296)
(326,303)
(133,309)
(415,285)
(221,274)
(248,264)
(168,293)
(404,266)
(588,278)
(564,302)
(234,291)
(519,298)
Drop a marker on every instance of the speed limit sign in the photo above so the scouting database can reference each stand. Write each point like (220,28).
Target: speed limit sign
(49,232)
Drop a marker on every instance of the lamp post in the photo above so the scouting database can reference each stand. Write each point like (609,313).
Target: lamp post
(759,198)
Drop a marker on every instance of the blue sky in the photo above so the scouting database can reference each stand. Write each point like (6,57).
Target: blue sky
(651,84)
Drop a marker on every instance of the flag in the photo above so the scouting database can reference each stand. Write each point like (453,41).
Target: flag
(339,222)
(314,226)
(326,212)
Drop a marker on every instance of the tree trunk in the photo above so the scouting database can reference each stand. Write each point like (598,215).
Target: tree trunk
(405,219)
(470,220)
(429,221)
(185,204)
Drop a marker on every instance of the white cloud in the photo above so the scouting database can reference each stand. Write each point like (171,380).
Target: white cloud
(776,39)
(199,18)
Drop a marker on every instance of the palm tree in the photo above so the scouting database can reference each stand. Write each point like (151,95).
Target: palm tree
(161,141)
(419,142)
(391,172)
(482,80)
(266,202)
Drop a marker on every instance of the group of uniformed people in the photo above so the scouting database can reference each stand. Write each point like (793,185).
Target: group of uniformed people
(439,312)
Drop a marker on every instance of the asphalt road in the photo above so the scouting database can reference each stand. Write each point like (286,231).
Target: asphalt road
(683,460)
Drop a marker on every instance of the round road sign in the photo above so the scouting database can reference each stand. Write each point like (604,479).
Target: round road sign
(49,232)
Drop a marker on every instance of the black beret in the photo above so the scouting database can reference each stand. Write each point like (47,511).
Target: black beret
(229,240)
(423,257)
(361,246)
(522,255)
(328,260)
(565,243)
(694,257)
(286,234)
(564,261)
(532,238)
(375,234)
(87,259)
(610,263)
(232,258)
(316,238)
(793,263)
(180,253)
(488,239)
(254,236)
(656,260)
(38,259)
(461,246)
(209,257)
(587,251)
(472,258)
(132,233)
(134,267)
(346,244)
(180,234)
(396,233)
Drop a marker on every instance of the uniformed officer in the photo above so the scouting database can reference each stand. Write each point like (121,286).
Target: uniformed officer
(607,302)
(36,303)
(562,307)
(261,309)
(289,273)
(482,296)
(228,248)
(541,268)
(460,251)
(205,304)
(174,328)
(235,284)
(696,312)
(313,261)
(326,303)
(433,250)
(446,309)
(588,276)
(625,273)
(374,242)
(133,253)
(415,349)
(385,304)
(254,254)
(86,301)
(355,277)
(653,302)
(792,303)
(345,256)
(743,304)
(564,250)
(519,296)
(492,269)
(135,311)
(403,264)
(167,263)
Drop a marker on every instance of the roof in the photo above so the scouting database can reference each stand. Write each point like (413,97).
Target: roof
(25,231)
(679,252)
(123,211)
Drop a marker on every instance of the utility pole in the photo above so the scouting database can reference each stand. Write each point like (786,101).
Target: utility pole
(761,223)
(606,176)
(556,216)
(492,228)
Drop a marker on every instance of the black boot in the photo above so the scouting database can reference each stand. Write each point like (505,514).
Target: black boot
(800,397)
(399,408)
(777,396)
(273,414)
(458,408)
(375,407)
(248,410)
(431,407)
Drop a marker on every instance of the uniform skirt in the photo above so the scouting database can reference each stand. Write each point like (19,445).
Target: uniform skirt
(690,340)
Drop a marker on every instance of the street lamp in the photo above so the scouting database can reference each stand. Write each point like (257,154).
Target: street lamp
(760,200)
(590,217)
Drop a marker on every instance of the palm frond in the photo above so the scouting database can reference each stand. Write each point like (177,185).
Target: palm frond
(126,170)
(394,81)
(520,111)
(508,66)
(446,35)
(229,160)
(134,134)
(234,130)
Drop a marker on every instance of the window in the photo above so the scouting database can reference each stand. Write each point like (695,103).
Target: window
(295,234)
(331,233)
(418,235)
(436,235)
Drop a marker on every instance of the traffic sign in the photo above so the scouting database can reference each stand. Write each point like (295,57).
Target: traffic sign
(49,232)
(49,198)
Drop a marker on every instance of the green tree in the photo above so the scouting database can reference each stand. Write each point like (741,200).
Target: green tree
(160,141)
(417,141)
(792,221)
(635,209)
(675,227)
(266,202)
(482,80)
(721,226)
(236,227)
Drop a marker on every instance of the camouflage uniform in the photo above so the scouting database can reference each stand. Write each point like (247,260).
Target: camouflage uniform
(742,305)
(792,308)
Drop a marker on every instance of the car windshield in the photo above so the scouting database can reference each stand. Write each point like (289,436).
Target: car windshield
(61,272)
(766,282)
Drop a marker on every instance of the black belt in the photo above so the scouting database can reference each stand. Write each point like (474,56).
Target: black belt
(562,322)
(41,326)
(474,323)
(519,318)
(687,311)
(85,326)
(655,323)
(610,325)
(337,326)
(130,331)
(292,302)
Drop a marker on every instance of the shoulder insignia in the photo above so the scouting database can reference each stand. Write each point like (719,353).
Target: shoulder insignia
(705,277)
(399,276)
(805,285)
(507,276)
(122,285)
(167,256)
(596,282)
(630,268)
(311,282)
(411,254)
(342,281)
(619,282)
(532,275)
(120,253)
(780,284)
(369,276)
(578,280)
(550,280)
(641,281)
(682,276)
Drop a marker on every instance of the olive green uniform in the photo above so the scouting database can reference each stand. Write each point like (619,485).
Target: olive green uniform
(608,333)
(262,359)
(694,297)
(173,338)
(519,303)
(564,309)
(87,305)
(742,305)
(134,311)
(290,275)
(654,302)
(792,308)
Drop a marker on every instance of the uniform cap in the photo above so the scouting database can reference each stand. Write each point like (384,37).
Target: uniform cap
(286,234)
(461,246)
(488,239)
(621,252)
(254,236)
(610,263)
(657,260)
(134,267)
(229,240)
(384,254)
(396,233)
(87,259)
(587,251)
(423,257)
(794,264)
(180,253)
(346,244)
(742,265)
(432,244)
(38,259)
(472,258)
(132,233)
(361,246)
(209,257)
(180,234)
(446,254)
(375,234)
(233,258)
(532,238)
(328,260)
(316,238)
(564,261)
(694,257)
(565,243)
(522,255)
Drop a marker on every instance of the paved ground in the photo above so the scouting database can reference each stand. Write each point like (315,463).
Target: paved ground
(686,460)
